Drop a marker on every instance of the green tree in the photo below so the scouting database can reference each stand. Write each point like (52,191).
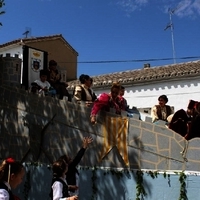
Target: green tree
(1,5)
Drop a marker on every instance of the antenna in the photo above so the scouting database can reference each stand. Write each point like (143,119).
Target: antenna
(27,33)
(171,26)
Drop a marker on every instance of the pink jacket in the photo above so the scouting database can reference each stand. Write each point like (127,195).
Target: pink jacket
(105,102)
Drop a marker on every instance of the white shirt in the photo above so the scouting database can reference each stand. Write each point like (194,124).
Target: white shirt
(43,84)
(57,190)
(4,195)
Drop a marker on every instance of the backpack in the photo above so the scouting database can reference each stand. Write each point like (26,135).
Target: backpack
(65,188)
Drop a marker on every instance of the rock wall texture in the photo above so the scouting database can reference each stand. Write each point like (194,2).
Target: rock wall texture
(35,128)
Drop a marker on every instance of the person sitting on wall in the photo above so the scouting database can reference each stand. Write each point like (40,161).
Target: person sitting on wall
(83,92)
(194,126)
(107,101)
(54,79)
(187,123)
(43,85)
(161,111)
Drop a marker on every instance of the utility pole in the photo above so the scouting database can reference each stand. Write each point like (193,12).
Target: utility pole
(171,26)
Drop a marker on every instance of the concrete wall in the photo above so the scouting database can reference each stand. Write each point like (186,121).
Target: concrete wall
(40,129)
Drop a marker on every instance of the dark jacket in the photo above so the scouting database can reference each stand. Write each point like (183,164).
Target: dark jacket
(179,122)
(72,170)
(168,112)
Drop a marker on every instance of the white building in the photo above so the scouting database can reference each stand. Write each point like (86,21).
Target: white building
(180,82)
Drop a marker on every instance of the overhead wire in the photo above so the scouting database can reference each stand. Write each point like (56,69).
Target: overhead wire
(134,60)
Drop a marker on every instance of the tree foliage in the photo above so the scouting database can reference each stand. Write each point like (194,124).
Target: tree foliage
(1,5)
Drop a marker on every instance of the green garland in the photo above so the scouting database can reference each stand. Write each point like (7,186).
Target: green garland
(167,176)
(139,186)
(140,189)
(183,191)
(94,187)
(27,185)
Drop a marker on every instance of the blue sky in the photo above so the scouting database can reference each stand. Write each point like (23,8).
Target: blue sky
(110,35)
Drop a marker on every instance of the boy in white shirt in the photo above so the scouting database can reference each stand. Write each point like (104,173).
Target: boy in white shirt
(59,187)
(44,85)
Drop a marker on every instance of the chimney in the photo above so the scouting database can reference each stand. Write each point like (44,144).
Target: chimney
(146,65)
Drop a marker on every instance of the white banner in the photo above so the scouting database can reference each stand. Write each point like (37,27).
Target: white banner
(35,64)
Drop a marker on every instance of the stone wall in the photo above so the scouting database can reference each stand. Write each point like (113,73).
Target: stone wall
(40,129)
(37,128)
(10,70)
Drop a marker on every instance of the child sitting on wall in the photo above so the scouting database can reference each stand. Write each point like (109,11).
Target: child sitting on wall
(161,111)
(43,85)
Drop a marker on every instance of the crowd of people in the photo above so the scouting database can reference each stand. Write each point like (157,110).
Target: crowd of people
(50,83)
(184,122)
(65,181)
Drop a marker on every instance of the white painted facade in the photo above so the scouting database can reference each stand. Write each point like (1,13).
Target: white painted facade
(179,92)
(13,50)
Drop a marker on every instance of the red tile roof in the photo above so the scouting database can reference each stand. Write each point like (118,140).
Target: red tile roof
(159,73)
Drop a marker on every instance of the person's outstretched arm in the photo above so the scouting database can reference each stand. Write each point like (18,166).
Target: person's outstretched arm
(86,142)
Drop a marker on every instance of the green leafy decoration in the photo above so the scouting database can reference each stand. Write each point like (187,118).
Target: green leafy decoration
(183,191)
(153,174)
(140,190)
(94,187)
(27,185)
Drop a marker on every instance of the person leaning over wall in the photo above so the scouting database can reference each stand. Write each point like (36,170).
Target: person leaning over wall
(11,175)
(83,92)
(161,111)
(106,101)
